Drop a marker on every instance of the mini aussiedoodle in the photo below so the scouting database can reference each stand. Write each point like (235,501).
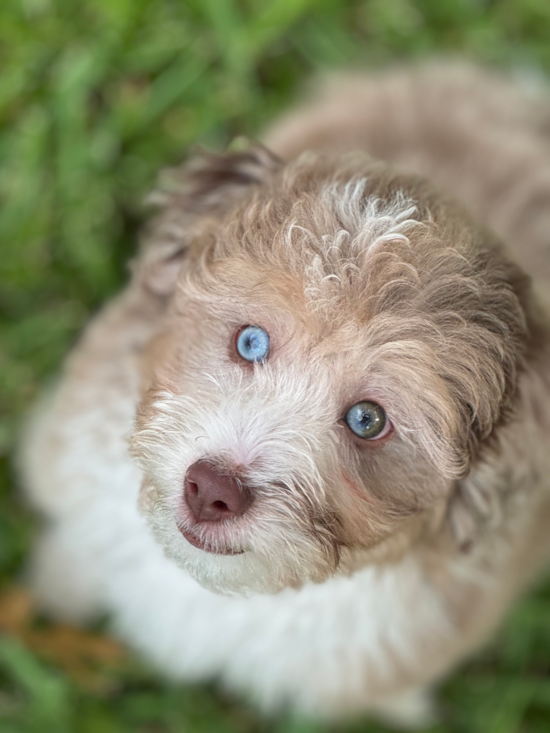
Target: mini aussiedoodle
(306,451)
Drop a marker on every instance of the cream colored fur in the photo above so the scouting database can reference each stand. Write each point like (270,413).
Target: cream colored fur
(369,570)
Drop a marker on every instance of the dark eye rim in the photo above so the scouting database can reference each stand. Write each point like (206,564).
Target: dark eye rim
(385,433)
(235,350)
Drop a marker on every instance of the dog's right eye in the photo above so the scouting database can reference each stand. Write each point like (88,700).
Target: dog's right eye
(252,343)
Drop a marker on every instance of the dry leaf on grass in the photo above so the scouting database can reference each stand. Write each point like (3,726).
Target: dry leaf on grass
(81,654)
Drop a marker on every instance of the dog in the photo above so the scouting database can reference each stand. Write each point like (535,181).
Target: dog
(305,451)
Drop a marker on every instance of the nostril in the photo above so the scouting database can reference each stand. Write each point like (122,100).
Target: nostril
(221,505)
(192,488)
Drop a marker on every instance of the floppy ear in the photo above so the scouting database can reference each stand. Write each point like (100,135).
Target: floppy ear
(477,498)
(206,186)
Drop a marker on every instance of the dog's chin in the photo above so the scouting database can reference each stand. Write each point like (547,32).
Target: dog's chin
(242,574)
(230,570)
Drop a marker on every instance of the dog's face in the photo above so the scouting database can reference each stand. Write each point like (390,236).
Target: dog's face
(338,345)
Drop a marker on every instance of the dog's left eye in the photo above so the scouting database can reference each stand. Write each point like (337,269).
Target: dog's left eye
(367,420)
(253,343)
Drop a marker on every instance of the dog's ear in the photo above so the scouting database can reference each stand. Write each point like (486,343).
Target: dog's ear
(206,186)
(476,501)
(213,181)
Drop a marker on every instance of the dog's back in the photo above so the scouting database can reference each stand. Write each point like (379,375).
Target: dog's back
(482,138)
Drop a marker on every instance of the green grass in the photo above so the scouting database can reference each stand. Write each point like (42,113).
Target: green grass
(96,96)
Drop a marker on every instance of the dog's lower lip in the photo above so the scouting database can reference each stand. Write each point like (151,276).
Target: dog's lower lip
(201,545)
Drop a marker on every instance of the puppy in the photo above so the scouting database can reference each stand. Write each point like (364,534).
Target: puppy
(305,451)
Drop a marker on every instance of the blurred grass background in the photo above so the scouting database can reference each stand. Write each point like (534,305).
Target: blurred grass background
(96,96)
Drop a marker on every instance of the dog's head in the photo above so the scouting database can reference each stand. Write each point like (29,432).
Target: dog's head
(339,344)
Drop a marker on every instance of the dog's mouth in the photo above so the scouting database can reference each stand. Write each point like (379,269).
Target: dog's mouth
(216,548)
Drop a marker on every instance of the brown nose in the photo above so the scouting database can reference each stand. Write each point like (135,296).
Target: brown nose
(212,497)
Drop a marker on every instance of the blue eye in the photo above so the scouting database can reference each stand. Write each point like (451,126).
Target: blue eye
(253,343)
(367,420)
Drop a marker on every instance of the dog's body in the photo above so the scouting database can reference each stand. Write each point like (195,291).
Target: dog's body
(379,565)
